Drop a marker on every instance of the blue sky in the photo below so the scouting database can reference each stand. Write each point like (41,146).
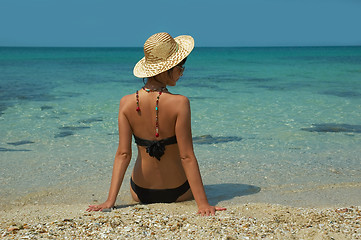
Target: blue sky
(125,23)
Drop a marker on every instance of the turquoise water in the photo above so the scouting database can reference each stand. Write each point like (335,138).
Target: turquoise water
(266,118)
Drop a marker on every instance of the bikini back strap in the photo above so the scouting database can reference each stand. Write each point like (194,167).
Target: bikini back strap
(165,142)
(155,148)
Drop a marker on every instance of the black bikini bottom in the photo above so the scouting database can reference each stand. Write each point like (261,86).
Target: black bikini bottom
(146,195)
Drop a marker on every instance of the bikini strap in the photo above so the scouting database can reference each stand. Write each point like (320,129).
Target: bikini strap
(143,142)
(155,148)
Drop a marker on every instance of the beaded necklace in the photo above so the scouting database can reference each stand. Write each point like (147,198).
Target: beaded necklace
(147,90)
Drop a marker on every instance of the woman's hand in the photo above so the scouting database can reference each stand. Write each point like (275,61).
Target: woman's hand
(100,206)
(209,210)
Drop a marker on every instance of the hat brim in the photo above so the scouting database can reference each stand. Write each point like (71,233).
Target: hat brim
(185,46)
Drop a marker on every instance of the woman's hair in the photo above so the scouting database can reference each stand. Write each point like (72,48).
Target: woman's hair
(182,62)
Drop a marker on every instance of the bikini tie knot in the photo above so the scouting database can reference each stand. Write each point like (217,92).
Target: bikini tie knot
(156,149)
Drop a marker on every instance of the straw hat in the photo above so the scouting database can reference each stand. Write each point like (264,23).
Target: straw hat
(161,53)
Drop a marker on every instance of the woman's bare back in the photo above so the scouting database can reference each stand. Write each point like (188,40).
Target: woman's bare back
(148,171)
(173,175)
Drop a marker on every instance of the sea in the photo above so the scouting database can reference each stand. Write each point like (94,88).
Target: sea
(263,118)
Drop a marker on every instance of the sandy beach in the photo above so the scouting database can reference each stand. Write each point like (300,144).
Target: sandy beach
(180,221)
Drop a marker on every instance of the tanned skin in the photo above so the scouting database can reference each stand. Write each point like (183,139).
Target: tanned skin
(178,164)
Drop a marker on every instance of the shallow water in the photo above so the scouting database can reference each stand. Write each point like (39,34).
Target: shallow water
(262,118)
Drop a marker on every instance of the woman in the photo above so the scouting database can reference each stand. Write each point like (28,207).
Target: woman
(166,169)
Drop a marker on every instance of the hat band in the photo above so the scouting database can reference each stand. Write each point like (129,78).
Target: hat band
(176,50)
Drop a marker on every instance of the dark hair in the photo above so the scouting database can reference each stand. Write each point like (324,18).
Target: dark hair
(182,62)
(179,64)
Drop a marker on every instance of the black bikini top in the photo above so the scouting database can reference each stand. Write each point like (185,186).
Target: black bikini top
(155,148)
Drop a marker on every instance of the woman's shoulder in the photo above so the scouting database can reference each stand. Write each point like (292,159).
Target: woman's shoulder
(180,98)
(178,102)
(126,100)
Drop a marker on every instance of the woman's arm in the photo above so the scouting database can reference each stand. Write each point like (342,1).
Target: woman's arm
(189,161)
(121,161)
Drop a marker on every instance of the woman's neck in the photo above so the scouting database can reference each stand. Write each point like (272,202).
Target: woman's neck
(155,84)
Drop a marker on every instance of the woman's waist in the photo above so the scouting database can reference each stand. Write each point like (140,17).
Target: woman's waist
(158,178)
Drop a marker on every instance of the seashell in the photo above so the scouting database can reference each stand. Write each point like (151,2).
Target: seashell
(11,229)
